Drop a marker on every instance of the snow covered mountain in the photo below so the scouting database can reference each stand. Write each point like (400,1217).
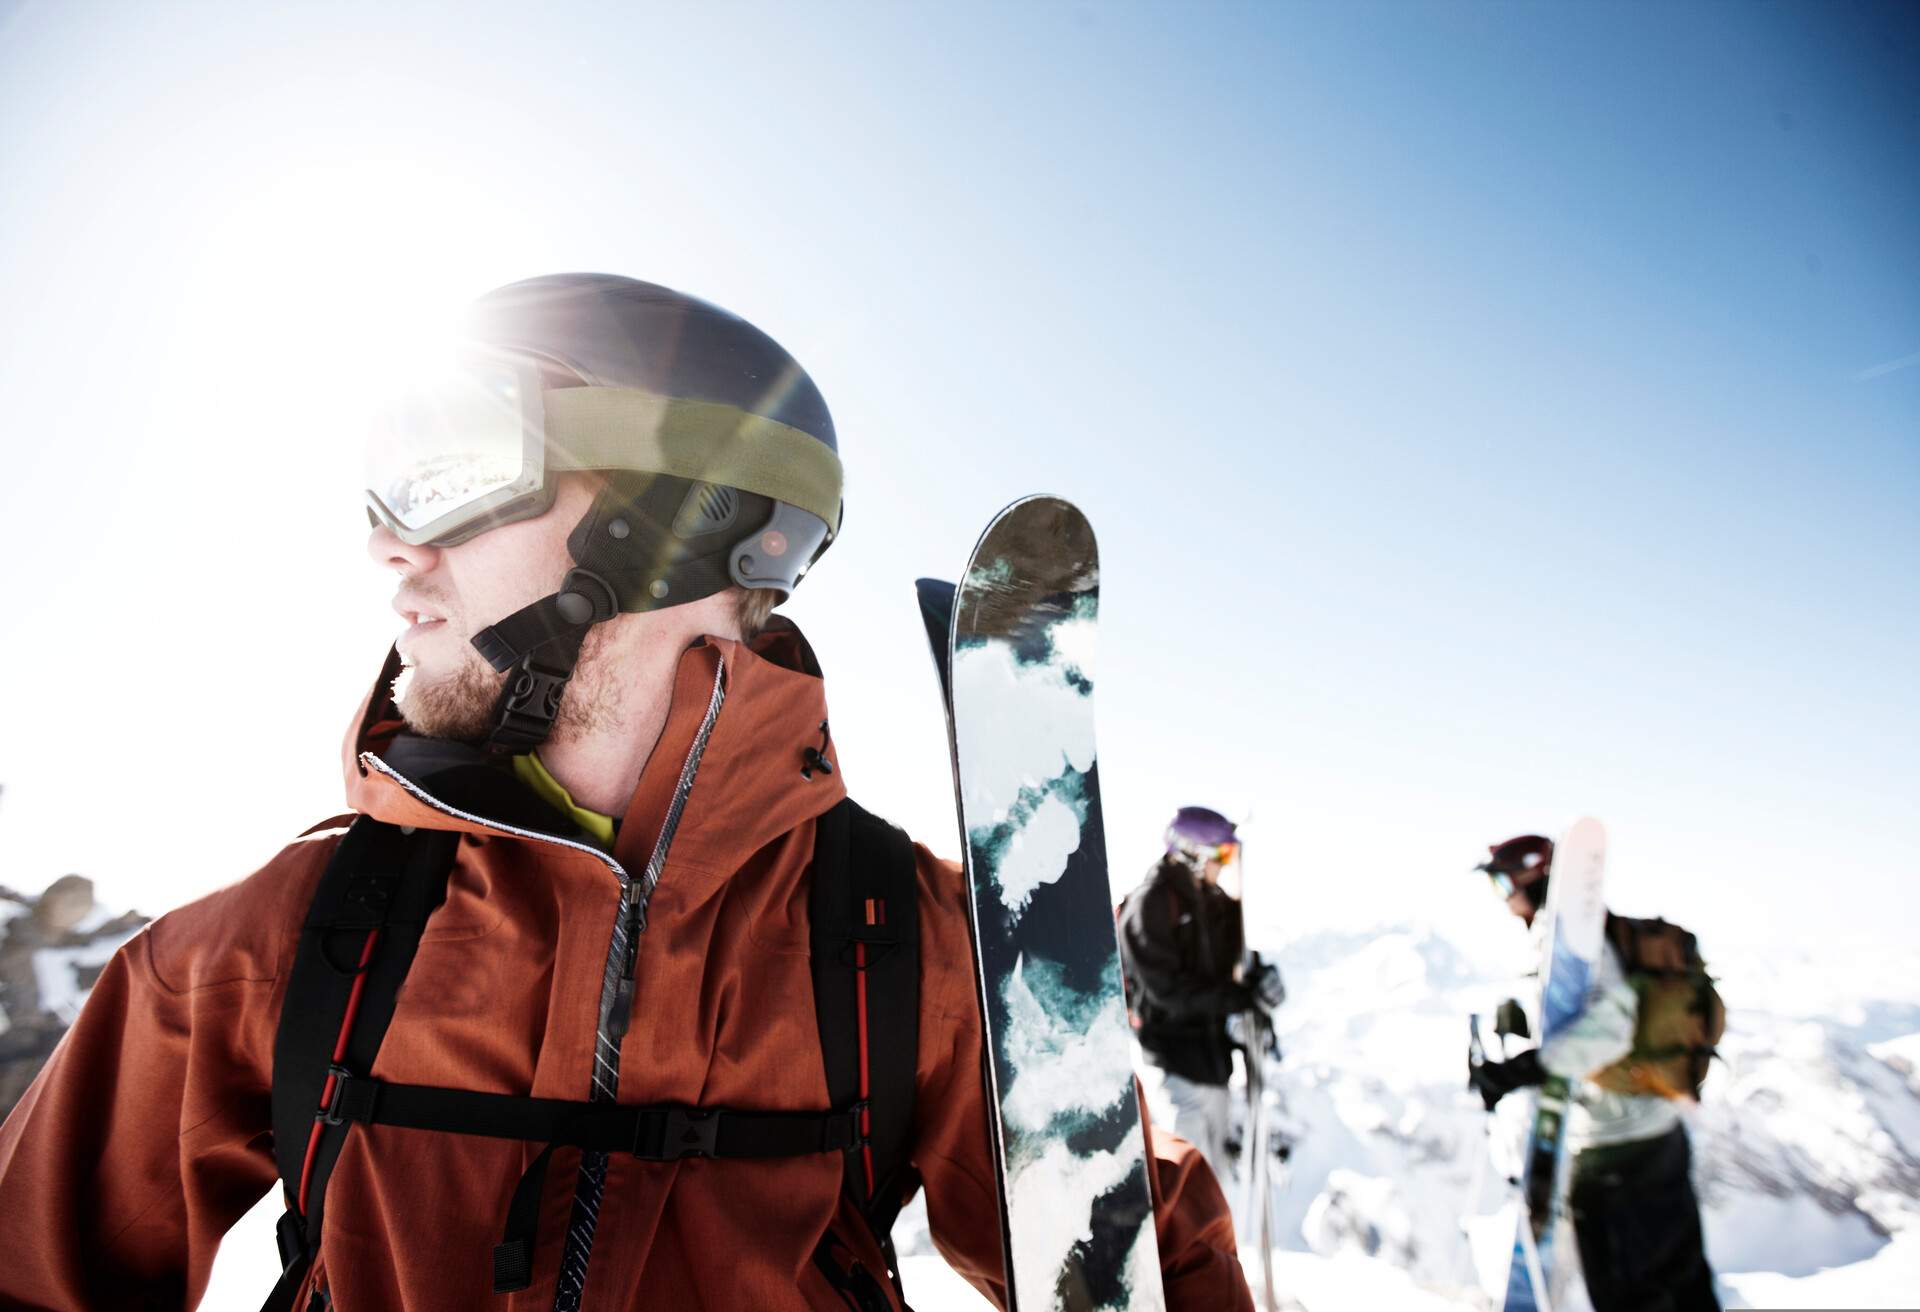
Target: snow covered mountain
(1807,1141)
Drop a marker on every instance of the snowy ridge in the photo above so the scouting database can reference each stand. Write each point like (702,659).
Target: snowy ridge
(1807,1142)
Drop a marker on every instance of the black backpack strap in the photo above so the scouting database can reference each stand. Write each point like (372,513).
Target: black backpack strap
(355,948)
(651,1132)
(662,1132)
(864,911)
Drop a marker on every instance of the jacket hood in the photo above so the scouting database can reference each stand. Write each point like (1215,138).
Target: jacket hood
(752,779)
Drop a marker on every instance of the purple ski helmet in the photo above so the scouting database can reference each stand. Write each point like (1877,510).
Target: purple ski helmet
(1199,835)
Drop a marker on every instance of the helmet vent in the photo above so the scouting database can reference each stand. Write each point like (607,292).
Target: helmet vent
(707,509)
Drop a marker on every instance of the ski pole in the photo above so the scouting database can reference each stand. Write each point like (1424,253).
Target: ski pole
(1476,1055)
(1258,1137)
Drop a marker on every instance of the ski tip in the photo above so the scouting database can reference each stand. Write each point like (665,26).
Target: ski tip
(1585,829)
(1017,502)
(1040,528)
(936,596)
(1047,504)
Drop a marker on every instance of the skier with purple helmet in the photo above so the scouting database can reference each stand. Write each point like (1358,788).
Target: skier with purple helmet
(1183,944)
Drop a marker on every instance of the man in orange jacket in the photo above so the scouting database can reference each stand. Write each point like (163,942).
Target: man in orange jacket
(631,775)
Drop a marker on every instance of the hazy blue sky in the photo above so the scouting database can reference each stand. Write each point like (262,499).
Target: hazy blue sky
(1491,413)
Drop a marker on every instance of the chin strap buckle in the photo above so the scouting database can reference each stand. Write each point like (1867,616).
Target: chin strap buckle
(530,703)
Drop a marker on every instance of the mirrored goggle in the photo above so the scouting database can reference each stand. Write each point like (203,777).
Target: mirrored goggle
(1502,883)
(1226,852)
(459,453)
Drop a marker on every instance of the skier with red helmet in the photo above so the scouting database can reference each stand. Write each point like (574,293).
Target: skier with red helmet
(1183,943)
(1635,1215)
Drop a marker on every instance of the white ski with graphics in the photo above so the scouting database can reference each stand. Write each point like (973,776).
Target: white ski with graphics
(1014,644)
(1575,935)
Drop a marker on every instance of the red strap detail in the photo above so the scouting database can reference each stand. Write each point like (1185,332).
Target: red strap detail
(860,993)
(340,1055)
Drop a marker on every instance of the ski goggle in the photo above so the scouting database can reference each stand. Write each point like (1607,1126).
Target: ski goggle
(1508,882)
(1202,853)
(460,453)
(478,445)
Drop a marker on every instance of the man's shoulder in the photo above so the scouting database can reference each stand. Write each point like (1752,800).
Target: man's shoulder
(940,880)
(246,931)
(946,939)
(940,885)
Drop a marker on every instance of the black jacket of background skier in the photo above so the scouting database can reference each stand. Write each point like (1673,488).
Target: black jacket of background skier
(1181,940)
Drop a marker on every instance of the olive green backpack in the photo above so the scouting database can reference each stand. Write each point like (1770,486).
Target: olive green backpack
(1681,1016)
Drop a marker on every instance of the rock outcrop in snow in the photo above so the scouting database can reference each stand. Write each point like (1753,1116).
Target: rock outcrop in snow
(52,948)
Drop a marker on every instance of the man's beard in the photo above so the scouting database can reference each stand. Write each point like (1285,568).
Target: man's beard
(460,705)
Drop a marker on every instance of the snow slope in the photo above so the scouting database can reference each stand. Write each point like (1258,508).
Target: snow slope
(1807,1142)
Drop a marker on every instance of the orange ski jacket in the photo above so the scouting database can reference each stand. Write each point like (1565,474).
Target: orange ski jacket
(148,1134)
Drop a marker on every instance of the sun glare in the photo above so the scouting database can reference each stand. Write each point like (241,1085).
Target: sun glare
(320,291)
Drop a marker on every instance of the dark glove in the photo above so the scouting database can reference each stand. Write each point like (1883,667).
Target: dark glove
(1494,1080)
(1511,1018)
(1251,1031)
(1262,980)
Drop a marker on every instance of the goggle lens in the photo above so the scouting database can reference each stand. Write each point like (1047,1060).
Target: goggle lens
(456,448)
(1502,882)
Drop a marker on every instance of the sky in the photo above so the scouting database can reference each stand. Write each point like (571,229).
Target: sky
(1491,414)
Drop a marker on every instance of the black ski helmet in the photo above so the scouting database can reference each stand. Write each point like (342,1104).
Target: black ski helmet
(720,460)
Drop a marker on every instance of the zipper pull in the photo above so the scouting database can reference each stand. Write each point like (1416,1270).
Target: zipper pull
(619,1022)
(622,1006)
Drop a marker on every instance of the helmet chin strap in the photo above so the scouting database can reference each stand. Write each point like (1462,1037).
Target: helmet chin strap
(637,549)
(540,644)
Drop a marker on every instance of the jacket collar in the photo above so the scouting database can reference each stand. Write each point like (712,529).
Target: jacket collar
(752,781)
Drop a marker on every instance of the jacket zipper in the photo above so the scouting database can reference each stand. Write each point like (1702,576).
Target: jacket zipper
(616,1005)
(636,896)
